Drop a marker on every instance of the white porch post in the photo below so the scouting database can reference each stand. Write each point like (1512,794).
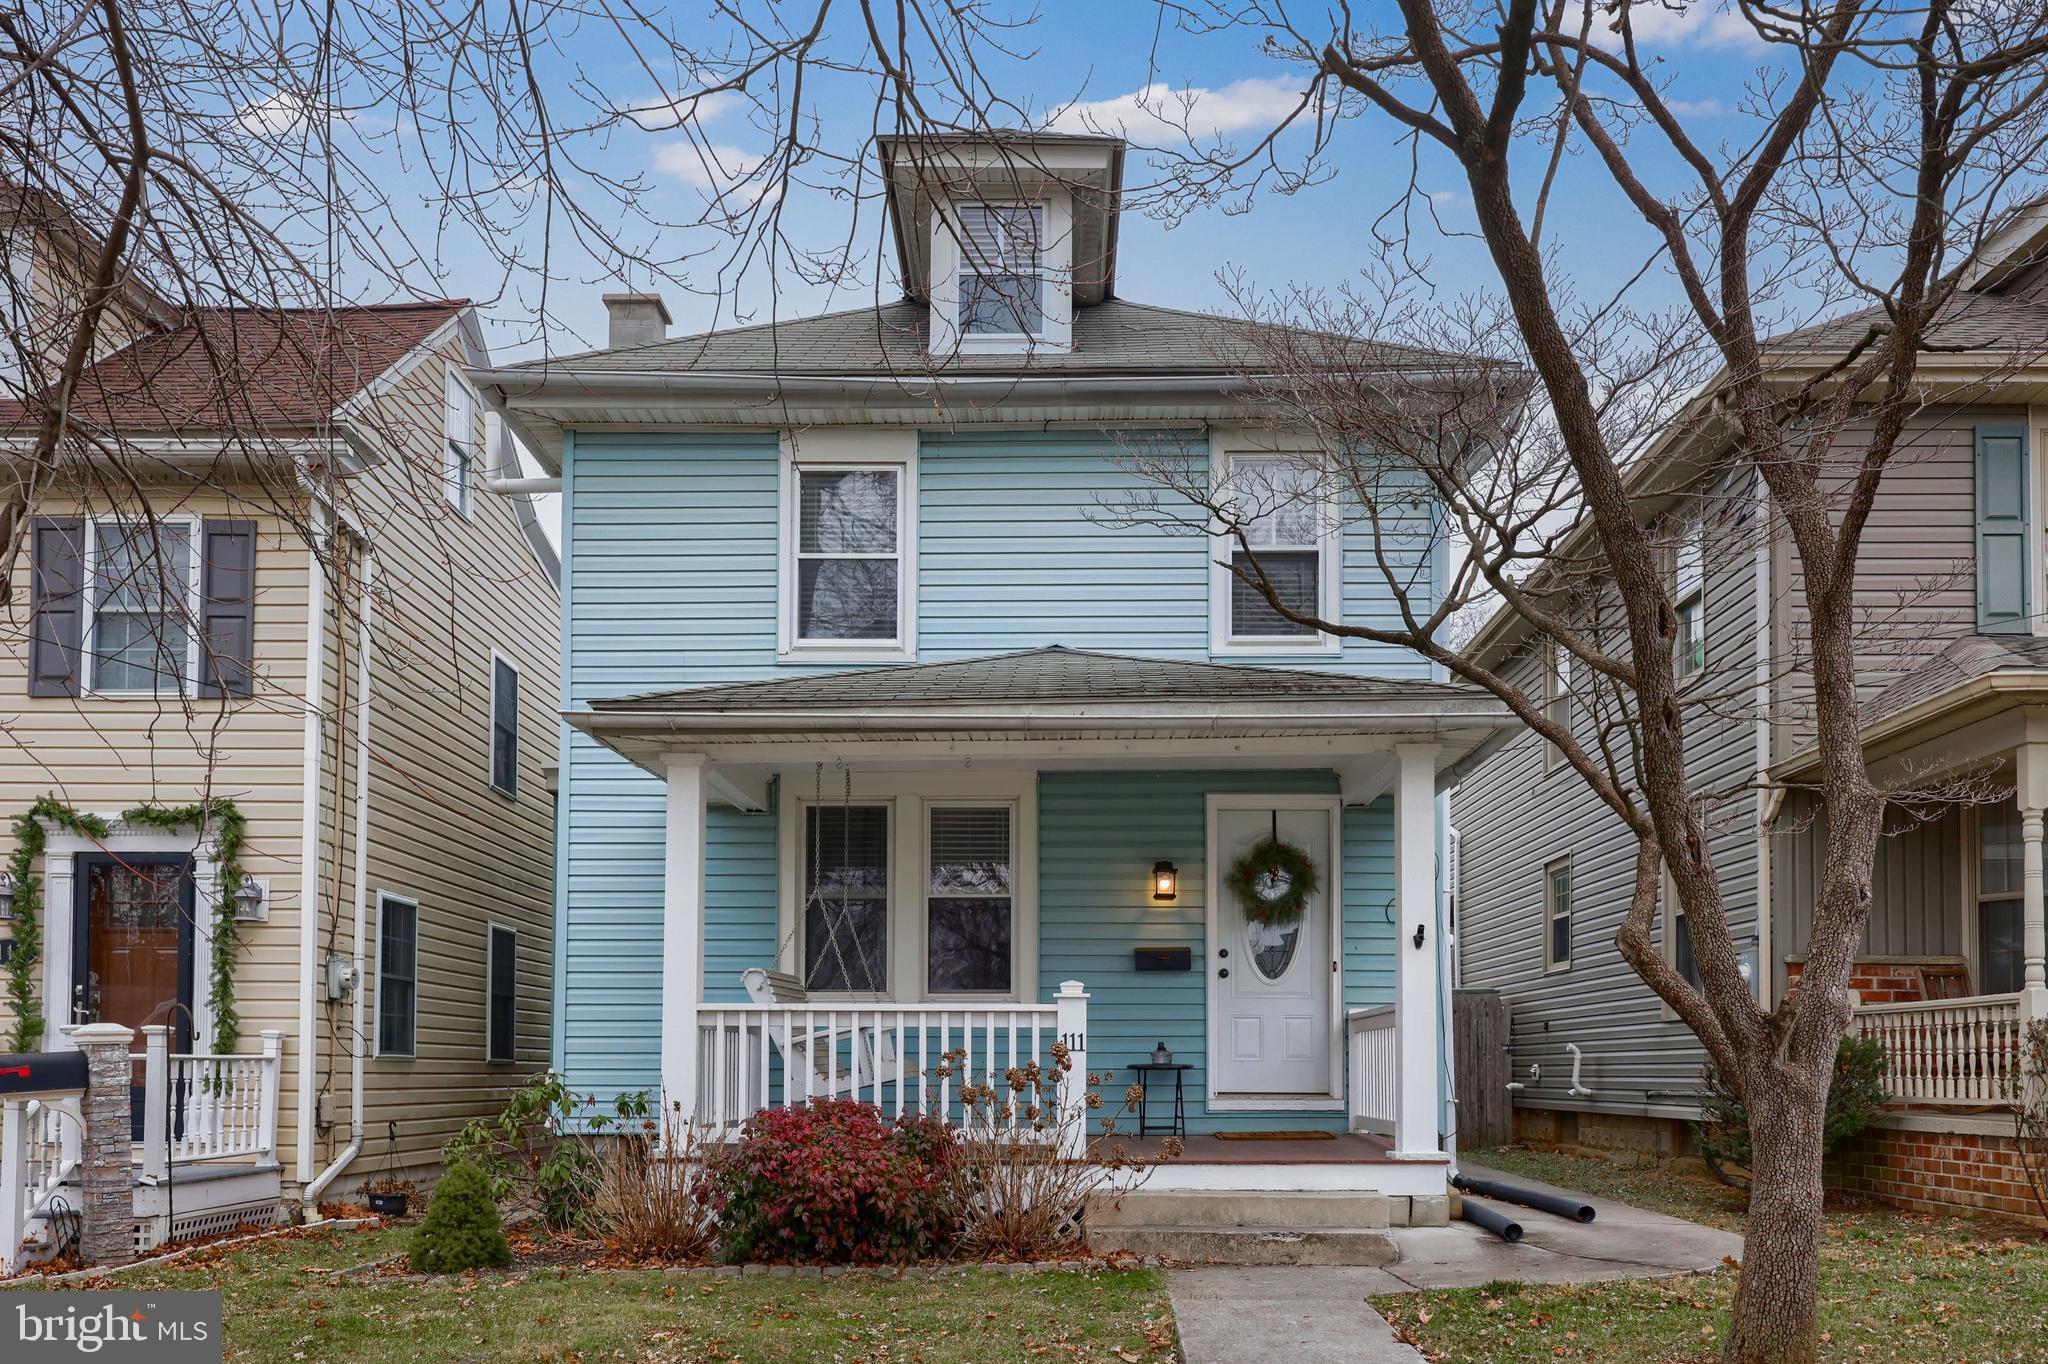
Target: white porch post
(156,1102)
(1070,1025)
(1416,988)
(2032,761)
(682,950)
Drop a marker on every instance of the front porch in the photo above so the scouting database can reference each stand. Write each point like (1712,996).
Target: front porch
(204,1154)
(887,886)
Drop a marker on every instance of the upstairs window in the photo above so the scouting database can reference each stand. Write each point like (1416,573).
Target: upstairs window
(141,607)
(1280,499)
(1557,915)
(849,541)
(458,469)
(1689,596)
(1002,269)
(504,726)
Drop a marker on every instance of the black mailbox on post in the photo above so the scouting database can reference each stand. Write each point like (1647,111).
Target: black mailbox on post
(42,1074)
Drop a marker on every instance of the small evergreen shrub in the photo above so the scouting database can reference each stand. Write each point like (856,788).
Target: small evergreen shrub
(462,1229)
(832,1182)
(1855,1099)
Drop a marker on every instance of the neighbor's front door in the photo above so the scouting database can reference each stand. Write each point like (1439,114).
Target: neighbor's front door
(1271,984)
(132,948)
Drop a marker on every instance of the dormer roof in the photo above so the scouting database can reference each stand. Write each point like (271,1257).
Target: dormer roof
(1005,166)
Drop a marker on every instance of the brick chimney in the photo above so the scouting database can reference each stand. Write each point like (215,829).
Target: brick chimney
(636,319)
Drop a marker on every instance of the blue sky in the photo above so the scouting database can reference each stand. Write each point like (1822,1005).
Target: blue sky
(1099,53)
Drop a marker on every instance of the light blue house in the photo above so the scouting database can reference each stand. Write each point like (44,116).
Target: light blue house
(864,689)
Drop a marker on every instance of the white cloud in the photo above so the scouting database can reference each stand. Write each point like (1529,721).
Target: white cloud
(1701,23)
(290,111)
(716,168)
(1444,198)
(1160,109)
(1698,108)
(664,112)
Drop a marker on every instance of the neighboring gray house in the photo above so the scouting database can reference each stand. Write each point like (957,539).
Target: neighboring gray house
(1955,681)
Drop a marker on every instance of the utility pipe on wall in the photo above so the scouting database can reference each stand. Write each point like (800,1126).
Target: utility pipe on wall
(311,1198)
(1577,1091)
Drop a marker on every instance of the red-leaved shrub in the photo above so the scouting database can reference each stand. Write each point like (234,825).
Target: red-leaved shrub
(833,1182)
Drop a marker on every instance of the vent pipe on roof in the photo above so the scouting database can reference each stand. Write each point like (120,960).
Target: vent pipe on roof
(636,320)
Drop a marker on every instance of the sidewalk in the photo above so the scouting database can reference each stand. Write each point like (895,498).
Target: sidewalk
(1320,1316)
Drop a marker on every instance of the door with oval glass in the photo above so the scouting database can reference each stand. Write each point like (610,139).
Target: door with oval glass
(1270,973)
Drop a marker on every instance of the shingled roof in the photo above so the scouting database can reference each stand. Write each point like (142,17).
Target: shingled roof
(1047,675)
(1967,321)
(1966,660)
(1115,336)
(246,369)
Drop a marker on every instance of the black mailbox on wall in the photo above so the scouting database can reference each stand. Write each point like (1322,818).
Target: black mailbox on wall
(1161,959)
(37,1074)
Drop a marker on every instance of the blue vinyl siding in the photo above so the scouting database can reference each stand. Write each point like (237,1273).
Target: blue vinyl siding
(671,555)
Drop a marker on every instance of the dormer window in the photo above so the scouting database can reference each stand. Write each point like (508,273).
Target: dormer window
(1002,269)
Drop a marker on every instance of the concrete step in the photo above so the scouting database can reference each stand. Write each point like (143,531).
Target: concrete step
(1292,1211)
(1249,1245)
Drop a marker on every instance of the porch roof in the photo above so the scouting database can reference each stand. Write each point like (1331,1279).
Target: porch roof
(1058,705)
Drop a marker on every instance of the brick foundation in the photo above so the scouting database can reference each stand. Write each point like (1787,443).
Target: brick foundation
(1937,1172)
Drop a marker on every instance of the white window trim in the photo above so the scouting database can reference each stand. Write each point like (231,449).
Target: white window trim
(908,796)
(842,450)
(491,735)
(924,898)
(195,606)
(491,929)
(1055,267)
(459,491)
(1223,448)
(1557,691)
(966,267)
(1551,965)
(376,1038)
(1693,534)
(61,851)
(1668,914)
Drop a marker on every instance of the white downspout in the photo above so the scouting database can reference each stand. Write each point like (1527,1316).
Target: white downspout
(309,1203)
(1766,799)
(309,838)
(1577,1091)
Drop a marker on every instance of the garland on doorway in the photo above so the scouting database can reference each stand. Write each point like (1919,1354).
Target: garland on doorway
(29,837)
(1273,881)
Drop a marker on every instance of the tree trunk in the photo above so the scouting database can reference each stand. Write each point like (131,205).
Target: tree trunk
(1777,1295)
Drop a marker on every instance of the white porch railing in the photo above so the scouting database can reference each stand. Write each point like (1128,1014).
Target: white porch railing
(1374,1050)
(1954,1052)
(197,1107)
(755,1056)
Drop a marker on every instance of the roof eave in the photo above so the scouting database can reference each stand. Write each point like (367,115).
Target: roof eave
(1949,708)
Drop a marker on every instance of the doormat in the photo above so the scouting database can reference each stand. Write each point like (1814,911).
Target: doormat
(1276,1136)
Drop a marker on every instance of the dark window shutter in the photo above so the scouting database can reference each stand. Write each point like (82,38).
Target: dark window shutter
(228,612)
(2004,605)
(56,607)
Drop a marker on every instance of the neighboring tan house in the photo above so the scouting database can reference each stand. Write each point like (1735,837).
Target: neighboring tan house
(1954,681)
(293,590)
(881,739)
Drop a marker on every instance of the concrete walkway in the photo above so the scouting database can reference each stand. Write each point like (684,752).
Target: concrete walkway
(1320,1316)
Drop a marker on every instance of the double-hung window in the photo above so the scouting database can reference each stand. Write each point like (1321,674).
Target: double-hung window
(1689,597)
(846,898)
(1002,269)
(2000,917)
(504,726)
(970,923)
(1279,501)
(142,604)
(849,537)
(501,995)
(1557,699)
(458,460)
(1557,914)
(398,956)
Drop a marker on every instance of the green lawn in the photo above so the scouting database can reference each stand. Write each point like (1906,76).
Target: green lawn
(1894,1287)
(281,1305)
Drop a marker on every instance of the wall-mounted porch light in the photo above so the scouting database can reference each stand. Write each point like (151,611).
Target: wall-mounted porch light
(6,895)
(249,901)
(1165,881)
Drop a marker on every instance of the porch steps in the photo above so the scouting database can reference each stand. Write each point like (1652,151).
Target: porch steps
(1245,1228)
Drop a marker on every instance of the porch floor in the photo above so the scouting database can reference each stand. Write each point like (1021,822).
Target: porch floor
(1345,1148)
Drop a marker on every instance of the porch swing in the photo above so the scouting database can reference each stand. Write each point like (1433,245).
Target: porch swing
(872,1053)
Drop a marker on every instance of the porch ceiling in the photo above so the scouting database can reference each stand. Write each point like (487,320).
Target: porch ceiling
(1059,707)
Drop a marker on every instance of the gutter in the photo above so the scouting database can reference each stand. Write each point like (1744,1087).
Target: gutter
(1027,721)
(2011,684)
(310,1199)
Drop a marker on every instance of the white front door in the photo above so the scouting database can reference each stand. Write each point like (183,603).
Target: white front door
(1270,985)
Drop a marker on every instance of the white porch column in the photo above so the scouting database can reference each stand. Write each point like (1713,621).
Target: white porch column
(2032,764)
(682,933)
(1417,991)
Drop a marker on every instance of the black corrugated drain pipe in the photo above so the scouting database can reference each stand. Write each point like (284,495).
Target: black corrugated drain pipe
(1528,1198)
(1492,1219)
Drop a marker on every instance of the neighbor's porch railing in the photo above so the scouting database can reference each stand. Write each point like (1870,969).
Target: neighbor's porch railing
(199,1107)
(1951,1052)
(1375,1062)
(755,1056)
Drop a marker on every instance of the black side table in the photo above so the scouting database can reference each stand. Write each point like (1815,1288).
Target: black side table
(1178,1127)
